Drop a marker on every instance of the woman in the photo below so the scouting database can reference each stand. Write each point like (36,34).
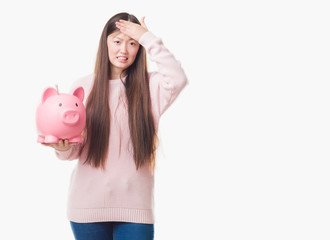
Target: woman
(111,190)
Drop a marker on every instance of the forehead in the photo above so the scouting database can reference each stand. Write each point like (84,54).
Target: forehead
(119,35)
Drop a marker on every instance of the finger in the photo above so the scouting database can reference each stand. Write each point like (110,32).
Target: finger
(53,145)
(126,24)
(123,23)
(143,24)
(73,143)
(121,26)
(60,143)
(118,24)
(66,142)
(123,29)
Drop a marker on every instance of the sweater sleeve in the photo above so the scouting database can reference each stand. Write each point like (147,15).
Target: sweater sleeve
(169,80)
(70,154)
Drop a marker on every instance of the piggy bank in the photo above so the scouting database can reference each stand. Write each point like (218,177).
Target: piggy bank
(61,116)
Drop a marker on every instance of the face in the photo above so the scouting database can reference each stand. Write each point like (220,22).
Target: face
(122,51)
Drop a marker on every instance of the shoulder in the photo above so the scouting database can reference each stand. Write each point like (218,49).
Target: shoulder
(152,74)
(86,82)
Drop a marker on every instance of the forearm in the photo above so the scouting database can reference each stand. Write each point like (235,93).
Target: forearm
(168,66)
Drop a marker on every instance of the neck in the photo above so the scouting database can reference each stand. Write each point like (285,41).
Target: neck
(116,74)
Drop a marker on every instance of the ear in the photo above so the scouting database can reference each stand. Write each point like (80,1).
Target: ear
(79,93)
(48,93)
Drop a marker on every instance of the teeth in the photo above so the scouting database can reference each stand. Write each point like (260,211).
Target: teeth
(123,58)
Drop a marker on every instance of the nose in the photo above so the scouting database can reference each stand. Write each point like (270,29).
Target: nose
(70,117)
(123,49)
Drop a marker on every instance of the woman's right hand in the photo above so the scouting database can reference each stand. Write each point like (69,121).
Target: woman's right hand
(62,145)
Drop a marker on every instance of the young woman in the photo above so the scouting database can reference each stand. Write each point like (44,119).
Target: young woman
(111,190)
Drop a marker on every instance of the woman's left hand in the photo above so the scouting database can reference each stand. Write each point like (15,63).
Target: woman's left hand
(131,29)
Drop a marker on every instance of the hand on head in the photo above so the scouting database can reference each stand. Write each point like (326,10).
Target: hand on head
(131,29)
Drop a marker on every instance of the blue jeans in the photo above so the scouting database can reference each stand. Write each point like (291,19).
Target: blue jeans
(112,231)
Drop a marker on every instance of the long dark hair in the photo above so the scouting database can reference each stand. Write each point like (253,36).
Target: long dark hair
(141,124)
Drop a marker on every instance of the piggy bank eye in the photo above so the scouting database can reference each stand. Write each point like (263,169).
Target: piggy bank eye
(76,104)
(60,105)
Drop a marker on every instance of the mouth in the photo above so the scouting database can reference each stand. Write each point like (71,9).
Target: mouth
(122,59)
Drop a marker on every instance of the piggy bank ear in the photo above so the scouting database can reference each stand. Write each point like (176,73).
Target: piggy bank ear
(79,93)
(48,93)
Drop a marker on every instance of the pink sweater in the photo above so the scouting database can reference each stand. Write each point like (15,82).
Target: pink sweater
(120,192)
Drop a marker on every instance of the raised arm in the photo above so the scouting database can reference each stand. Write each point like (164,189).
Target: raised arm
(170,79)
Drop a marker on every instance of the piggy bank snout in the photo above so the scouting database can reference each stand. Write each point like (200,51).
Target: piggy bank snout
(70,116)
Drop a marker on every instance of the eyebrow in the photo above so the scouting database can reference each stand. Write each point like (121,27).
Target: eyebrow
(122,39)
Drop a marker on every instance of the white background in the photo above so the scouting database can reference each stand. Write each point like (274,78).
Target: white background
(245,148)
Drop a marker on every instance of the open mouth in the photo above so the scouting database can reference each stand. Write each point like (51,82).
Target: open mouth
(122,59)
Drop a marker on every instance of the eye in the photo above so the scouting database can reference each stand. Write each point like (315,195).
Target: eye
(132,43)
(76,104)
(116,42)
(60,105)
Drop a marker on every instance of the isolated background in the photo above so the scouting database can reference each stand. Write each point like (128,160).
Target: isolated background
(245,148)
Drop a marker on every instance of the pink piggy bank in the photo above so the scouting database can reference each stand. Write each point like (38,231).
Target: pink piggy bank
(61,116)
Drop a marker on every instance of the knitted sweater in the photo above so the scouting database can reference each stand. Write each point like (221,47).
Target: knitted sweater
(120,192)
